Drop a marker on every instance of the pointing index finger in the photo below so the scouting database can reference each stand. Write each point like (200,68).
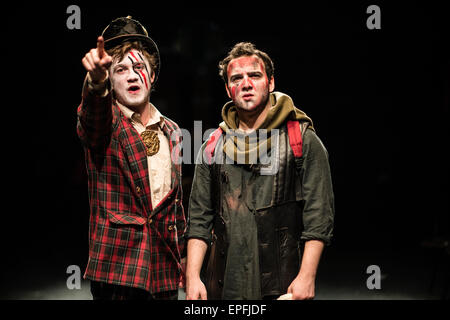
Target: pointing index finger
(100,47)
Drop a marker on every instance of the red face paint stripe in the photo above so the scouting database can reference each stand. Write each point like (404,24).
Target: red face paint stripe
(145,78)
(131,52)
(140,77)
(142,74)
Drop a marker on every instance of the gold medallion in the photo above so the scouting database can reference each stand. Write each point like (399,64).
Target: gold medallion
(151,141)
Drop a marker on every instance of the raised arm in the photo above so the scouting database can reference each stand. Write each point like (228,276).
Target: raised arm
(94,112)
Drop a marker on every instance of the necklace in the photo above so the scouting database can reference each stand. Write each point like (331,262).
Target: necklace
(151,141)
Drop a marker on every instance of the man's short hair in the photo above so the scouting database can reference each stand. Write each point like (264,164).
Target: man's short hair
(245,49)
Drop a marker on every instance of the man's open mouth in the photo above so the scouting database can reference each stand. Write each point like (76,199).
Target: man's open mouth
(133,89)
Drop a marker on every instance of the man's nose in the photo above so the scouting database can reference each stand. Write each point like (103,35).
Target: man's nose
(246,83)
(132,77)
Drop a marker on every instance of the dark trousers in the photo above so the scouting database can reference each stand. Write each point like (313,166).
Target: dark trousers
(106,291)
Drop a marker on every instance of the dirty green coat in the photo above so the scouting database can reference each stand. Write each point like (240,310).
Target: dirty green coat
(246,197)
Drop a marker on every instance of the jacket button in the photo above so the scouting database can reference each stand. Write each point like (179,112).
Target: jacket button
(220,282)
(171,227)
(150,221)
(138,190)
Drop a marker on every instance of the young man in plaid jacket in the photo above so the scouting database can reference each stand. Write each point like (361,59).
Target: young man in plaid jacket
(137,222)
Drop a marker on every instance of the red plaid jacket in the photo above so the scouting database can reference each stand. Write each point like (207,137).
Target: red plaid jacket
(131,243)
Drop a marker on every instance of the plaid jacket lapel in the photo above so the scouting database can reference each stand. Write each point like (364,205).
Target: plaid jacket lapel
(137,159)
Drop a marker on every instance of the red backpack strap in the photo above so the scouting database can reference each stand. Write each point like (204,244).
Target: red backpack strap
(295,138)
(211,144)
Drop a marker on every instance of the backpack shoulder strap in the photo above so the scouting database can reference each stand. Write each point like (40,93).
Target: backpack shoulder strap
(296,130)
(295,138)
(211,144)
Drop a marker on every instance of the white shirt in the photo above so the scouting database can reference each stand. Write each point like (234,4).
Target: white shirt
(159,164)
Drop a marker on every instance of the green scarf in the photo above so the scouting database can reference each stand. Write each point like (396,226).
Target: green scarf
(282,109)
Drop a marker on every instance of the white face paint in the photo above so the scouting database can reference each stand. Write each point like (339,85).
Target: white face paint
(131,80)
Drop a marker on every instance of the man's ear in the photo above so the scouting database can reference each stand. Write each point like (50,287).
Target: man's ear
(272,84)
(152,77)
(228,91)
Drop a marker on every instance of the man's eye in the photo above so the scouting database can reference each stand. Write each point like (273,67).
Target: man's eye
(119,70)
(139,66)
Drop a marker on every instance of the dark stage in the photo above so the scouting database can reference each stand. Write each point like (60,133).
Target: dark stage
(379,99)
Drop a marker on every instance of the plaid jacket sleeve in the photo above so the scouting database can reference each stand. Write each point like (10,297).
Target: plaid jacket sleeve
(95,116)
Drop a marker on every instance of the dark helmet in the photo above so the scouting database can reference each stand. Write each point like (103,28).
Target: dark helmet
(125,28)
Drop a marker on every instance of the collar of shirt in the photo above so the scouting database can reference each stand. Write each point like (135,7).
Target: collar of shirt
(156,118)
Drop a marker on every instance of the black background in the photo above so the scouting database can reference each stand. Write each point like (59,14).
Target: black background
(379,100)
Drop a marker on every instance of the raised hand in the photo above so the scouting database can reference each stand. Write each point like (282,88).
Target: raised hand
(97,62)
